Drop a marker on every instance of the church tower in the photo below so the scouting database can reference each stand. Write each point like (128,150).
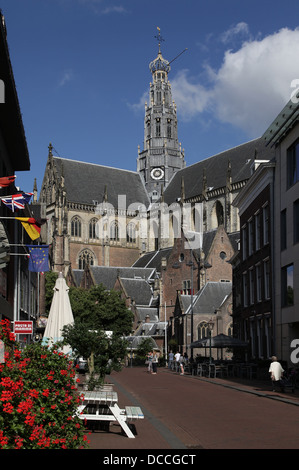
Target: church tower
(162,155)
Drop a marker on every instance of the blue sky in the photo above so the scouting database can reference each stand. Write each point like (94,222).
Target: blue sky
(82,75)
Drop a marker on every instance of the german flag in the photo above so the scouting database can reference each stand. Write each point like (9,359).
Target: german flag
(32,226)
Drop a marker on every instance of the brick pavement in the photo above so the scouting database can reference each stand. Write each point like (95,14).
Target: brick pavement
(187,413)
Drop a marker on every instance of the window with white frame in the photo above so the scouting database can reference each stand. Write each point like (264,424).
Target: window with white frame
(202,330)
(187,287)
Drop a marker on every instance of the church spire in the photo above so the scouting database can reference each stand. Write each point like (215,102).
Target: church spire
(161,156)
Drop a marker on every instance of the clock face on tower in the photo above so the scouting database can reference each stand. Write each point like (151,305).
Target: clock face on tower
(157,173)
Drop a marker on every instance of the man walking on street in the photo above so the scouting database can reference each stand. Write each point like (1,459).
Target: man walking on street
(177,360)
(276,372)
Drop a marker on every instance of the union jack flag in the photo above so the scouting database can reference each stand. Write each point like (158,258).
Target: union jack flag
(17,201)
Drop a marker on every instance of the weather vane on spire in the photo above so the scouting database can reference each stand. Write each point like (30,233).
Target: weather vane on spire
(159,37)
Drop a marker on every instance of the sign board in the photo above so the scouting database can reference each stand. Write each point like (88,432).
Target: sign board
(23,327)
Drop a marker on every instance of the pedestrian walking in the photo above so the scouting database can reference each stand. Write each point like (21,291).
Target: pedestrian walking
(177,361)
(170,360)
(150,362)
(276,372)
(155,362)
(182,364)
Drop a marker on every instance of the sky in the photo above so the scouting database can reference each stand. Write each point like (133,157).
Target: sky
(82,75)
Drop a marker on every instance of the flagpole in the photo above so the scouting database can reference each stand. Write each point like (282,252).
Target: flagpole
(19,254)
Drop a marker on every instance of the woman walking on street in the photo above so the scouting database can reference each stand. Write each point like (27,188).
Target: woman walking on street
(155,362)
(150,362)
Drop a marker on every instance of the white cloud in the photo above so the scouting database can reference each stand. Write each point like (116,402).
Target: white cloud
(114,9)
(239,29)
(251,86)
(66,77)
(137,107)
(190,98)
(98,7)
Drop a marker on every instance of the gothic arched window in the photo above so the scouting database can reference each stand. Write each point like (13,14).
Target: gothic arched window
(219,213)
(92,228)
(202,330)
(131,233)
(76,227)
(114,231)
(85,257)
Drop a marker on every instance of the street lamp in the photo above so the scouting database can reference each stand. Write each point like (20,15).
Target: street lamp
(131,356)
(210,327)
(193,267)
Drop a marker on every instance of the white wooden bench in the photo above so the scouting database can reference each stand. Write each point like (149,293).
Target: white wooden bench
(134,412)
(102,406)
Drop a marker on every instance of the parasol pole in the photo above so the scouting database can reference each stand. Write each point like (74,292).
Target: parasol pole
(165,334)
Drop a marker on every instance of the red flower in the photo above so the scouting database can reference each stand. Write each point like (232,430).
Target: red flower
(3,439)
(6,395)
(25,406)
(19,442)
(30,419)
(33,393)
(7,407)
(17,353)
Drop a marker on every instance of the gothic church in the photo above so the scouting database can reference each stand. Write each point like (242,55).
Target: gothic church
(102,216)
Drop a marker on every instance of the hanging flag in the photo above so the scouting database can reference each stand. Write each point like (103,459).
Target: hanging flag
(32,226)
(39,258)
(6,181)
(17,201)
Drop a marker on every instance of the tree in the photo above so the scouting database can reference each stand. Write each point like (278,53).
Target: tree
(98,311)
(145,347)
(50,280)
(101,309)
(103,352)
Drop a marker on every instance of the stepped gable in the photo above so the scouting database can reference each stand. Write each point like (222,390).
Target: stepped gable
(87,182)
